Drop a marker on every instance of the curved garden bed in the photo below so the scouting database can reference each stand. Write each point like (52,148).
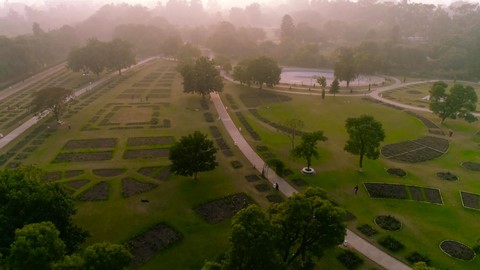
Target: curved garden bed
(388,222)
(457,250)
(472,166)
(397,172)
(448,176)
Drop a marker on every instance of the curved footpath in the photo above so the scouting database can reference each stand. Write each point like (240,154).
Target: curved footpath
(32,121)
(354,241)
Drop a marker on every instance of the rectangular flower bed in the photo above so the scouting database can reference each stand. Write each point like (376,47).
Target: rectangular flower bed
(391,191)
(470,200)
(416,193)
(83,157)
(433,195)
(400,148)
(146,153)
(147,141)
(91,143)
(419,155)
(435,143)
(224,208)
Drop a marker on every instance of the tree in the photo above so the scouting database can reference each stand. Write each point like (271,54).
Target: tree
(192,154)
(365,135)
(25,198)
(95,56)
(293,129)
(240,72)
(106,256)
(202,77)
(252,241)
(322,81)
(460,103)
(345,66)
(54,99)
(305,225)
(308,147)
(36,246)
(287,28)
(422,266)
(334,87)
(264,70)
(119,55)
(70,262)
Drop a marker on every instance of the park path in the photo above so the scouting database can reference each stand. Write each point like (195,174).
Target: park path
(32,121)
(356,242)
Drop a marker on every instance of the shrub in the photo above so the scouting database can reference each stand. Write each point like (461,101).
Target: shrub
(367,230)
(350,259)
(388,223)
(208,117)
(277,165)
(415,257)
(236,164)
(391,243)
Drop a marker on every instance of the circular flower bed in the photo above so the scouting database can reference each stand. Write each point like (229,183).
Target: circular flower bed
(397,171)
(388,223)
(457,250)
(447,176)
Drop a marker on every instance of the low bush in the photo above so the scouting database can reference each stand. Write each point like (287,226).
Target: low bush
(350,259)
(415,257)
(367,230)
(391,243)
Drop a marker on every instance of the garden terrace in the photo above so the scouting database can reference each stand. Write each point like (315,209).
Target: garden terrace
(156,239)
(132,187)
(403,192)
(457,250)
(98,192)
(470,200)
(221,209)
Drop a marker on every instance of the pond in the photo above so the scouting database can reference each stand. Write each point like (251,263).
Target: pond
(306,76)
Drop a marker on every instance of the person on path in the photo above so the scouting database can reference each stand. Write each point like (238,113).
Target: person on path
(356,189)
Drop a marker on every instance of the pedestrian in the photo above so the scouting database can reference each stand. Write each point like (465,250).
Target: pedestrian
(69,127)
(356,189)
(276,186)
(450,133)
(240,129)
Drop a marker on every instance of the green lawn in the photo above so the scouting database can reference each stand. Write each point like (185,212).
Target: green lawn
(425,225)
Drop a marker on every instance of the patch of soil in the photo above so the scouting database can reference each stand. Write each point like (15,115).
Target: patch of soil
(215,132)
(148,171)
(228,153)
(416,193)
(396,149)
(299,182)
(436,131)
(91,144)
(132,187)
(112,172)
(221,209)
(275,198)
(470,200)
(83,157)
(447,176)
(392,191)
(472,166)
(388,223)
(147,141)
(76,184)
(52,176)
(73,173)
(163,174)
(146,153)
(435,143)
(252,178)
(433,195)
(457,250)
(367,230)
(99,192)
(262,187)
(156,239)
(419,155)
(397,171)
(236,164)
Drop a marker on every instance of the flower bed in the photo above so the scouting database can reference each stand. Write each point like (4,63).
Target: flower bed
(221,209)
(76,184)
(396,149)
(146,153)
(99,192)
(158,238)
(132,187)
(472,166)
(73,173)
(388,223)
(416,193)
(215,132)
(367,230)
(415,257)
(52,176)
(262,187)
(91,144)
(350,259)
(299,182)
(252,178)
(457,250)
(397,172)
(83,157)
(423,149)
(392,191)
(111,172)
(148,141)
(391,243)
(247,126)
(433,195)
(470,200)
(236,164)
(447,176)
(435,143)
(419,155)
(274,198)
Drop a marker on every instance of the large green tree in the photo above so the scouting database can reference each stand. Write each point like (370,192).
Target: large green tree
(202,77)
(192,154)
(334,87)
(119,55)
(459,103)
(264,70)
(36,246)
(25,198)
(365,135)
(106,256)
(345,66)
(307,149)
(54,99)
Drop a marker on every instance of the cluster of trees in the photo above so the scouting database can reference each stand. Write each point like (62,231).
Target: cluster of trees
(201,77)
(97,56)
(259,71)
(289,235)
(37,231)
(459,103)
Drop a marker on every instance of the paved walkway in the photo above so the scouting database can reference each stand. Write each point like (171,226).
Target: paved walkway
(354,241)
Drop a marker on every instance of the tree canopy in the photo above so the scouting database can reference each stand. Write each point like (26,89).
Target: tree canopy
(293,128)
(459,103)
(119,55)
(54,99)
(261,70)
(202,77)
(106,256)
(365,135)
(345,66)
(25,198)
(192,154)
(334,87)
(307,149)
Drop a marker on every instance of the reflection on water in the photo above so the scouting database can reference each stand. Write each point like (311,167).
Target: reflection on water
(305,76)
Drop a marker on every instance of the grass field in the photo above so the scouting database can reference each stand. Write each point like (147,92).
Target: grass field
(425,225)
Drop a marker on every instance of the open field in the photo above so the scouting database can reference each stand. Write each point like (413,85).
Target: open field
(425,225)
